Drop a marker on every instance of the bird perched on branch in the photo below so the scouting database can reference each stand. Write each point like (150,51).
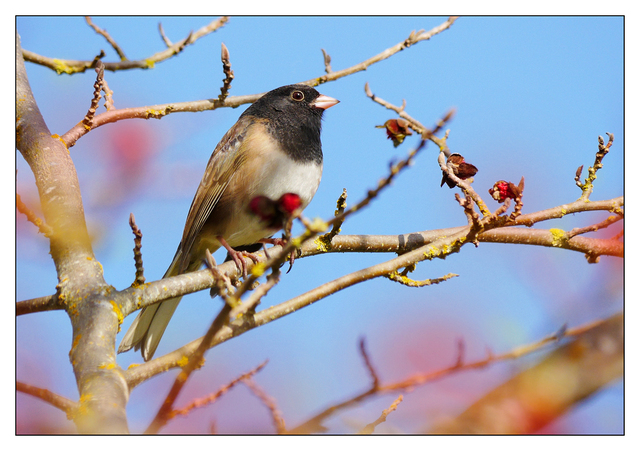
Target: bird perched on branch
(273,150)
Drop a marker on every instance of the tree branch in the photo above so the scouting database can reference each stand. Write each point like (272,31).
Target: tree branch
(542,393)
(81,288)
(314,424)
(413,38)
(65,404)
(159,111)
(163,289)
(70,67)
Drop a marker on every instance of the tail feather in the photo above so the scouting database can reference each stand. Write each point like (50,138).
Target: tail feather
(147,329)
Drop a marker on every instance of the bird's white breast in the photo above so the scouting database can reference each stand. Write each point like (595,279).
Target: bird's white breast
(271,173)
(281,175)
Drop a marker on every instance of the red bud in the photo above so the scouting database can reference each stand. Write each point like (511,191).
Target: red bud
(503,190)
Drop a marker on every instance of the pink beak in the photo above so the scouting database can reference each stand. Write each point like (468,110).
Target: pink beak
(324,102)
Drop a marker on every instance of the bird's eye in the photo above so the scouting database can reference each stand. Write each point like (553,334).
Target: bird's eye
(297,96)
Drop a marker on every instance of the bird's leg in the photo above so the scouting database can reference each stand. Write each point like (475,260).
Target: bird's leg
(241,264)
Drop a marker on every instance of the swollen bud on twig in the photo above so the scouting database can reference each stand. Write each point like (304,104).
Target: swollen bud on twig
(503,190)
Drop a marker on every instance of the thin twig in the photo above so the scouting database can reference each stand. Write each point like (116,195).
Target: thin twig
(249,306)
(404,280)
(33,218)
(462,184)
(97,88)
(108,37)
(269,402)
(375,381)
(369,428)
(210,399)
(587,186)
(327,61)
(413,123)
(473,218)
(163,36)
(137,254)
(325,240)
(41,304)
(593,228)
(413,38)
(65,404)
(228,74)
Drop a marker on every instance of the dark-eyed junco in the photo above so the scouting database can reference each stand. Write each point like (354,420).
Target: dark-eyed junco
(273,150)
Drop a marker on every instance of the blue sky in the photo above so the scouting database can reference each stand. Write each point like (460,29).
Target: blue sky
(532,94)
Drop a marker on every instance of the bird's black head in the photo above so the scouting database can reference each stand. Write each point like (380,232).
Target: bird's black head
(294,115)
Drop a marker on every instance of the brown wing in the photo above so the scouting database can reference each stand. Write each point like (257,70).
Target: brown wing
(227,157)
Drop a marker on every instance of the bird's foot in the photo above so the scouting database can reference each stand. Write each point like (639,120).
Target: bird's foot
(238,256)
(281,242)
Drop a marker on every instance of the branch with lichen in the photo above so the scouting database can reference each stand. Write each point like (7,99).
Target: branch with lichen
(164,289)
(404,280)
(415,247)
(62,66)
(159,111)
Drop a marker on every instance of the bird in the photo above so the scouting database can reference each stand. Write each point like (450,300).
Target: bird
(272,152)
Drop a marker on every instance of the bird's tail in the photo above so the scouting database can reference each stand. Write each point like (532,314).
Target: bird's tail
(149,326)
